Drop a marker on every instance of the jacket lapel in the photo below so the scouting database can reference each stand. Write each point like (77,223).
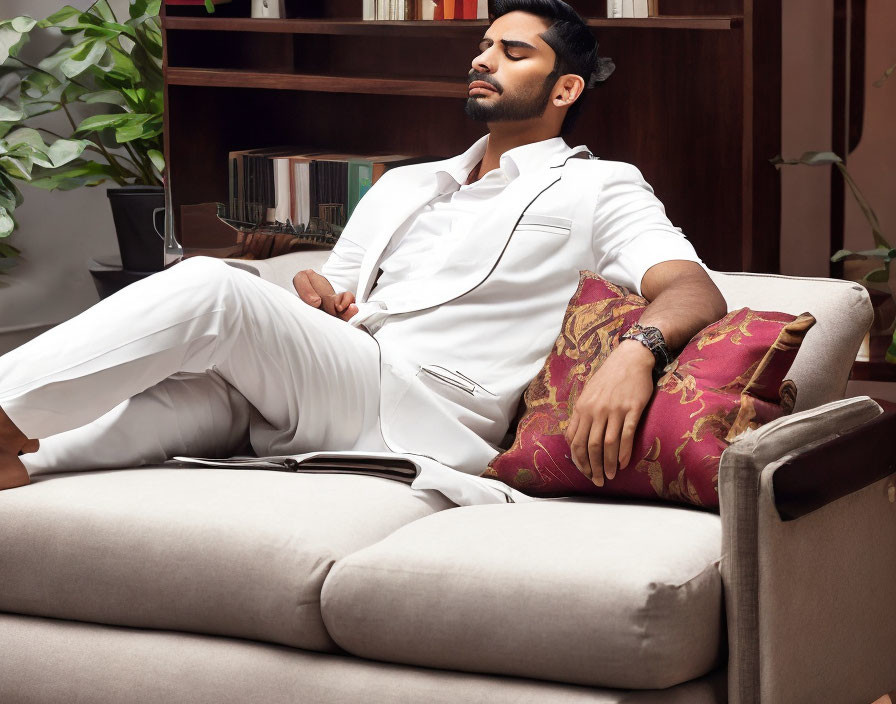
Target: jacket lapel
(409,194)
(476,252)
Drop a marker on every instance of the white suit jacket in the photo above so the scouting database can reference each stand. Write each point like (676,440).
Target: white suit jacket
(459,349)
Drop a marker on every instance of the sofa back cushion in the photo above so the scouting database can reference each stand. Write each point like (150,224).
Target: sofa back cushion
(843,314)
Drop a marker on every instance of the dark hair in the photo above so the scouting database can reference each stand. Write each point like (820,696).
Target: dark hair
(572,42)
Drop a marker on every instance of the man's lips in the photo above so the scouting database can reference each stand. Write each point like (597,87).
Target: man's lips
(482,86)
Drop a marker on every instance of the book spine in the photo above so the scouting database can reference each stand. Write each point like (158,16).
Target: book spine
(438,12)
(427,8)
(482,11)
(449,9)
(641,8)
(369,10)
(471,7)
(653,8)
(628,8)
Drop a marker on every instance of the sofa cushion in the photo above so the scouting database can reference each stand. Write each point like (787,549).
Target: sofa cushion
(843,313)
(218,551)
(585,591)
(726,379)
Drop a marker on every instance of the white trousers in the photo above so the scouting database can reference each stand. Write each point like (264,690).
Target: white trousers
(199,359)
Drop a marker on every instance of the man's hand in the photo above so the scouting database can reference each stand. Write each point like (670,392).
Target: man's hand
(316,291)
(602,426)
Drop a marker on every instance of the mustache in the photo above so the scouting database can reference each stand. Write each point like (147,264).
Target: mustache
(473,76)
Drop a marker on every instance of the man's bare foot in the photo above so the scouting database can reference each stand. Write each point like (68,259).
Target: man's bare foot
(13,443)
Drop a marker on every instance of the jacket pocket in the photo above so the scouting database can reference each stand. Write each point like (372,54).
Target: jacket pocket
(456,379)
(549,224)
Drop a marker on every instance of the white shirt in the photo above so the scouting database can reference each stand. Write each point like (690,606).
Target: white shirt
(419,246)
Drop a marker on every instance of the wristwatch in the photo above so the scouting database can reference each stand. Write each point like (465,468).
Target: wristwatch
(653,340)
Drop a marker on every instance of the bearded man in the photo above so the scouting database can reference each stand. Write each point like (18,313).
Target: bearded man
(435,309)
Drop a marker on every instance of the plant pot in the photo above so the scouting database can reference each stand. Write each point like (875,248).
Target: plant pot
(138,213)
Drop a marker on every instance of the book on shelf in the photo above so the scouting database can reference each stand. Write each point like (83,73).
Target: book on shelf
(303,190)
(425,9)
(623,9)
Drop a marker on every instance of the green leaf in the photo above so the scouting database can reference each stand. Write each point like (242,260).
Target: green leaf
(877,252)
(157,159)
(6,223)
(842,254)
(62,151)
(38,84)
(877,276)
(819,158)
(22,23)
(209,6)
(10,41)
(26,135)
(86,56)
(98,122)
(10,112)
(134,128)
(60,17)
(113,97)
(74,175)
(16,167)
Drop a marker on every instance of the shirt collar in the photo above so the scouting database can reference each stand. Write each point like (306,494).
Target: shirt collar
(526,157)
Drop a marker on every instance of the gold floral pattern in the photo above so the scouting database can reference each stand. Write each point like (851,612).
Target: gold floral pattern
(727,379)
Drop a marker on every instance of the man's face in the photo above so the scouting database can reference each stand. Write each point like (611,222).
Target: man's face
(517,64)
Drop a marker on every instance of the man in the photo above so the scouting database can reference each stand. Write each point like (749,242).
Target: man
(453,277)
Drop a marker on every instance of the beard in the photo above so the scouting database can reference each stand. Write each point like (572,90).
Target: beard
(502,108)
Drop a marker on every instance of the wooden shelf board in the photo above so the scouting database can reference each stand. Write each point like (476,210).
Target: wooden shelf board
(314,82)
(410,28)
(873,371)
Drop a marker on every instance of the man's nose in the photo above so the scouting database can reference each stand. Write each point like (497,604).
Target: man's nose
(482,64)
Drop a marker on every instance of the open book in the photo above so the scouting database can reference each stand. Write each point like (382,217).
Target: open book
(419,471)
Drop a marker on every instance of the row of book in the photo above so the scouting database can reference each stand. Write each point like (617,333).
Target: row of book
(288,186)
(621,9)
(425,10)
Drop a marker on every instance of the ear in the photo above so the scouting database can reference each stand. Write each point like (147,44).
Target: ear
(567,89)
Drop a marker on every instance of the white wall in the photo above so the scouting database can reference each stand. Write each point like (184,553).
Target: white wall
(58,231)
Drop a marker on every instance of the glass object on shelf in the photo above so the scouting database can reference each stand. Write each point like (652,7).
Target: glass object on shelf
(172,251)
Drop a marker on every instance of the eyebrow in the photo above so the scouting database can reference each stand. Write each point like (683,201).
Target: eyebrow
(509,43)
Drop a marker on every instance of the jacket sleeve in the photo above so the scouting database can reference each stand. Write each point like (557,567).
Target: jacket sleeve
(343,268)
(631,232)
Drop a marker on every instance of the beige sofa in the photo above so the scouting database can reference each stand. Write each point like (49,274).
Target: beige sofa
(206,585)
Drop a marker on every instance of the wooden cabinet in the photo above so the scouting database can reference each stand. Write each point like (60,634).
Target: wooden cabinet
(694,102)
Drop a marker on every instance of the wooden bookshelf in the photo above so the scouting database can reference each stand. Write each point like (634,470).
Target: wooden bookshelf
(694,103)
(457,28)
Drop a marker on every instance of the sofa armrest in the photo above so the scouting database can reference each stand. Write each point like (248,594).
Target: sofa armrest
(808,572)
(282,268)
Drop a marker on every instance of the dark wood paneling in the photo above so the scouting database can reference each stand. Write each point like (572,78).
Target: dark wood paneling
(761,215)
(678,123)
(839,125)
(701,7)
(404,30)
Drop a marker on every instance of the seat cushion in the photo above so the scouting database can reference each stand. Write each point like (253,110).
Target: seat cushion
(217,551)
(623,594)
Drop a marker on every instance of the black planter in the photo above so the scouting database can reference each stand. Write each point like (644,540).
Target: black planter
(138,212)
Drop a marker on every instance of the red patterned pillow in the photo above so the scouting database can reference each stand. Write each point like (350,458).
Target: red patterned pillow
(728,378)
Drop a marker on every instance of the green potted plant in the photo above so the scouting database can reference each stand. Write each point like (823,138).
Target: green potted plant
(114,65)
(879,276)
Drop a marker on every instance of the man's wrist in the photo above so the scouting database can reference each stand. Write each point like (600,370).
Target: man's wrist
(639,353)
